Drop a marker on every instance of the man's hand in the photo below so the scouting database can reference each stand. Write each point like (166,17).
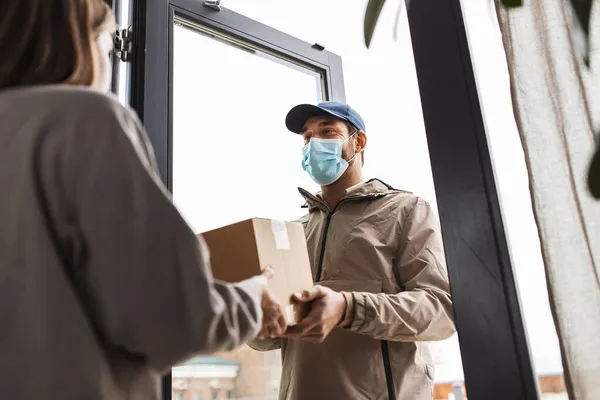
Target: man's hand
(273,323)
(326,311)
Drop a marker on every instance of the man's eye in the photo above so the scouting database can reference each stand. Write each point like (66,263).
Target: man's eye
(328,131)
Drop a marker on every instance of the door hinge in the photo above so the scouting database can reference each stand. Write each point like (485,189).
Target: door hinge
(123,44)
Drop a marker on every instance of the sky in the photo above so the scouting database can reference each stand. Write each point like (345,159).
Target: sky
(234,159)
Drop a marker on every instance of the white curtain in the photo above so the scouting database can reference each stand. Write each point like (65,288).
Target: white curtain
(555,100)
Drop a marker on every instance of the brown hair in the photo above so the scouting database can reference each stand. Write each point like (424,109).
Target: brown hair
(50,41)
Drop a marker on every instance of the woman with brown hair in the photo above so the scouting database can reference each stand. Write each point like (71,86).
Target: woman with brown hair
(103,286)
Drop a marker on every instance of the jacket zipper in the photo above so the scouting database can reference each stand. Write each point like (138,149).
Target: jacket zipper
(325,230)
(385,353)
(323,243)
(389,379)
(384,345)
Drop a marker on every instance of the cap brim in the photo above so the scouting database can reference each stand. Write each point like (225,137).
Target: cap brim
(297,116)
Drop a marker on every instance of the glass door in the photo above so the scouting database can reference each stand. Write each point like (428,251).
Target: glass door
(215,115)
(232,160)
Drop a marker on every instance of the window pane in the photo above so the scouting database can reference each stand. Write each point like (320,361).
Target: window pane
(513,185)
(228,99)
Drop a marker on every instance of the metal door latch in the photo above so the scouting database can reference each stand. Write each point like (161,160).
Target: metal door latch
(214,4)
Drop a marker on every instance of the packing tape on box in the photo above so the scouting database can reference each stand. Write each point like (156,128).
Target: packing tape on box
(282,240)
(289,314)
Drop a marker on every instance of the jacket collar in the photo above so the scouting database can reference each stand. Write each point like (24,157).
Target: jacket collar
(369,189)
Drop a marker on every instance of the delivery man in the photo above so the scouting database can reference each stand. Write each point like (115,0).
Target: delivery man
(378,262)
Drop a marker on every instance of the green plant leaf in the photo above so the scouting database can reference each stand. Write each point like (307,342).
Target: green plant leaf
(371,16)
(583,9)
(512,3)
(594,175)
(581,28)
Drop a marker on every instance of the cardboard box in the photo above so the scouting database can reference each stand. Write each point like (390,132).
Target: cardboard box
(245,249)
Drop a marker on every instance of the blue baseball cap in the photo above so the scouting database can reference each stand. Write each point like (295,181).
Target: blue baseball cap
(297,116)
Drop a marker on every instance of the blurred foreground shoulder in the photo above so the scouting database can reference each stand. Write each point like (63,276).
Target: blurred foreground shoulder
(78,106)
(67,99)
(92,117)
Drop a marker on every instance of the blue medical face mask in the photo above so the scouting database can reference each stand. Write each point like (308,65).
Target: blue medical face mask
(322,159)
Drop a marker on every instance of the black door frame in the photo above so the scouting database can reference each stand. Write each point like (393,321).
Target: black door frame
(493,344)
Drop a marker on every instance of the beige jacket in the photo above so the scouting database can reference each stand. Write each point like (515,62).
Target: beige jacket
(102,284)
(381,248)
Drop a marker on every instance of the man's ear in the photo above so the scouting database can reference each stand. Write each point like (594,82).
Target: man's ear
(361,141)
